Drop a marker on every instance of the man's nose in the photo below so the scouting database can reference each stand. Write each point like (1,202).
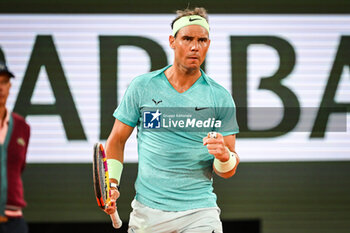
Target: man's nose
(194,45)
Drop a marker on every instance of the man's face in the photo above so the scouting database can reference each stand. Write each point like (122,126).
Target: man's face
(190,46)
(4,88)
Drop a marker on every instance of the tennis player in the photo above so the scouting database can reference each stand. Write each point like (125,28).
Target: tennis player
(174,191)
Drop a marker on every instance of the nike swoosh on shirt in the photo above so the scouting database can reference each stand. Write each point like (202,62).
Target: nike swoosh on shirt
(198,109)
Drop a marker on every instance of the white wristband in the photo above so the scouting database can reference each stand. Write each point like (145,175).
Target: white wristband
(227,166)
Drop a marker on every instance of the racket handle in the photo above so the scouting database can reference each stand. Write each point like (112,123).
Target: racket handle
(116,222)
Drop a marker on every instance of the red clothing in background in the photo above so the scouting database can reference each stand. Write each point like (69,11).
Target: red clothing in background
(16,160)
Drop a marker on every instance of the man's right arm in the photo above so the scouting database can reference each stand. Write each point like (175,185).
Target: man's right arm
(117,139)
(115,150)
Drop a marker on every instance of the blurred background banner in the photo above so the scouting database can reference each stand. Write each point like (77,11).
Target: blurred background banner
(286,63)
(289,76)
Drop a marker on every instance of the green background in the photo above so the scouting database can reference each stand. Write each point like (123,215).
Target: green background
(284,197)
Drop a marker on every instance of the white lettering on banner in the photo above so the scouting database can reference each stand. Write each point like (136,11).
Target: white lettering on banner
(314,38)
(191,123)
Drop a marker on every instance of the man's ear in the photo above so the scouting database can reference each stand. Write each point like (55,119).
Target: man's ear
(172,41)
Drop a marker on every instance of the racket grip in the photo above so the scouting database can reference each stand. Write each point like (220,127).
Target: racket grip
(116,221)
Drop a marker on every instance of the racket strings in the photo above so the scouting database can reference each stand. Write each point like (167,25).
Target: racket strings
(102,177)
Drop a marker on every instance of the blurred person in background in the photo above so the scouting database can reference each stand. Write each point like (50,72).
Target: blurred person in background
(14,138)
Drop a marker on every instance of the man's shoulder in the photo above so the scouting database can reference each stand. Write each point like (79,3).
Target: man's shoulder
(18,119)
(145,78)
(216,87)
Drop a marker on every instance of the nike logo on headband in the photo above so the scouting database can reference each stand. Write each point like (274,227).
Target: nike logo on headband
(190,19)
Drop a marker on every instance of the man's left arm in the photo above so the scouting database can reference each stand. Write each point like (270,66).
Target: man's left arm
(223,149)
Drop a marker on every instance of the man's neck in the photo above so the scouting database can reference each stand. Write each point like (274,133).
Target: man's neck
(181,78)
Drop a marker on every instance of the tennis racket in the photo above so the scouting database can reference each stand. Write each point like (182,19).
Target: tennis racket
(101,182)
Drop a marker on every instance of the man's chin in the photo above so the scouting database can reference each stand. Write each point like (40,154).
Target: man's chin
(193,66)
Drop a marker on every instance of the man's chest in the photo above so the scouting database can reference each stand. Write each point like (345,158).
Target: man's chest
(165,97)
(170,111)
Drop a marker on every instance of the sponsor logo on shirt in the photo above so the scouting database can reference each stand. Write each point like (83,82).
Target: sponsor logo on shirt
(157,102)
